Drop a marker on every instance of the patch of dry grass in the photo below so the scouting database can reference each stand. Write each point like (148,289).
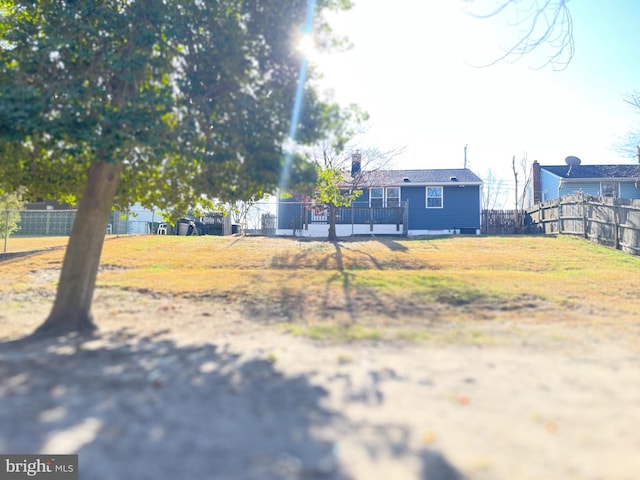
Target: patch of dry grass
(381,283)
(17,244)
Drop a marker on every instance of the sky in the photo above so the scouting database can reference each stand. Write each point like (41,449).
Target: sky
(413,68)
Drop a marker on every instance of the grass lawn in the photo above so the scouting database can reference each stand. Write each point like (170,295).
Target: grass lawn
(499,357)
(363,288)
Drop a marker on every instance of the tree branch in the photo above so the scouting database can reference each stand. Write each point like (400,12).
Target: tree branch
(538,23)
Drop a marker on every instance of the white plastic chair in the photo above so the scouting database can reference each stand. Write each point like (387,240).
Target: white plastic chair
(162,229)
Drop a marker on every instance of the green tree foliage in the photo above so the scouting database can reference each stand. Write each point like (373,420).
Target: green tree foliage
(164,103)
(329,191)
(331,155)
(337,185)
(332,192)
(10,203)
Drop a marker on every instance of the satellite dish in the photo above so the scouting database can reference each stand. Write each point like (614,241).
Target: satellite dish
(572,161)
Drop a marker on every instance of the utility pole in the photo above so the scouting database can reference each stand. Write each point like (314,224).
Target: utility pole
(465,156)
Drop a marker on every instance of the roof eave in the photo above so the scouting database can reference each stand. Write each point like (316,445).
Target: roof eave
(430,184)
(598,179)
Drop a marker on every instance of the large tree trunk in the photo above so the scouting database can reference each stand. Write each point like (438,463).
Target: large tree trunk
(72,308)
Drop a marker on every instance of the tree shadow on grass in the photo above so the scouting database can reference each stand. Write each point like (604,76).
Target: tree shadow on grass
(26,253)
(344,277)
(386,439)
(144,407)
(147,407)
(391,244)
(350,301)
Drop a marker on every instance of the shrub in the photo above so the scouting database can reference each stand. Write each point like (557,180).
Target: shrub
(10,203)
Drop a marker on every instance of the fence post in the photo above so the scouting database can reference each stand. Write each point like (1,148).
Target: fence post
(616,219)
(561,205)
(371,219)
(352,221)
(584,216)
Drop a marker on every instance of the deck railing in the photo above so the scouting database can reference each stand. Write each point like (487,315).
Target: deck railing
(355,214)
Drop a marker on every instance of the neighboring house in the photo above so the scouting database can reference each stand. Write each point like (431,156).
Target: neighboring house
(395,202)
(551,182)
(140,220)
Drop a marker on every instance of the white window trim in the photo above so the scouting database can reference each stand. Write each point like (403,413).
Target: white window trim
(616,188)
(426,193)
(384,195)
(371,196)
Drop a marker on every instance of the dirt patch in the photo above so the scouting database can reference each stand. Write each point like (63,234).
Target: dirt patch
(176,387)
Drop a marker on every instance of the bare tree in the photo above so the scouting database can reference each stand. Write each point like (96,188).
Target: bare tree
(516,216)
(520,195)
(240,212)
(342,173)
(629,145)
(536,23)
(539,23)
(492,191)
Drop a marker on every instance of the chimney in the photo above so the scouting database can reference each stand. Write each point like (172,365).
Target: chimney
(356,162)
(537,183)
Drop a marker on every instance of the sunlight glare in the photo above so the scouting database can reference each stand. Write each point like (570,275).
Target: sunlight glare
(297,106)
(306,45)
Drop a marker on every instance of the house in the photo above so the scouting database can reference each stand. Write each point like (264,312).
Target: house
(140,220)
(394,202)
(555,181)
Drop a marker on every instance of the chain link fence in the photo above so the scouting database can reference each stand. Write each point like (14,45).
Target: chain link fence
(58,223)
(256,219)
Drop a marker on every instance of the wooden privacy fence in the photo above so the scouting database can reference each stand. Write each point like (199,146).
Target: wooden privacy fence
(500,222)
(614,222)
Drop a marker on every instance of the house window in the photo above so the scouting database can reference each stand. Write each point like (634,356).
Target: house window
(376,197)
(345,192)
(393,196)
(610,189)
(434,197)
(384,197)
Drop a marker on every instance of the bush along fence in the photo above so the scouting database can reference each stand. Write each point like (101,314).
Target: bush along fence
(614,222)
